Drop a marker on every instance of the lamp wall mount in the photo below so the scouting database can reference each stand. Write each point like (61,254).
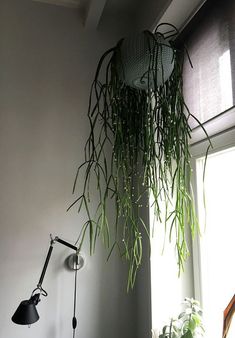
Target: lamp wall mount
(75,261)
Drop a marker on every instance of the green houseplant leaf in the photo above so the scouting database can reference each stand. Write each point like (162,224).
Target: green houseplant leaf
(189,323)
(187,334)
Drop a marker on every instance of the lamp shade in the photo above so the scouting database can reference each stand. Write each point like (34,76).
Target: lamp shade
(26,313)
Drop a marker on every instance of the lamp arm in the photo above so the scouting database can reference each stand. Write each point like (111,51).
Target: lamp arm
(61,241)
(45,265)
(56,239)
(26,313)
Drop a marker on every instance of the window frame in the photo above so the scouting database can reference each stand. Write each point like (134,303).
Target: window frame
(219,124)
(221,141)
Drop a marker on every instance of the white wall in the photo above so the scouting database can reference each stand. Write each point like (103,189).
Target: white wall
(47,61)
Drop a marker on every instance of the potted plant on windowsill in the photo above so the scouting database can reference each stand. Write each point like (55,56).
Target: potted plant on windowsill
(138,145)
(189,323)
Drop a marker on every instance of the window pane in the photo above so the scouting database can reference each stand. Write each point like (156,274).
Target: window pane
(217,242)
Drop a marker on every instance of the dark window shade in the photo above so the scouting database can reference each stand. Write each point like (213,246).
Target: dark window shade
(209,87)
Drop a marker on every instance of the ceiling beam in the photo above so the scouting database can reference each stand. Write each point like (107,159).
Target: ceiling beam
(94,13)
(180,12)
(65,3)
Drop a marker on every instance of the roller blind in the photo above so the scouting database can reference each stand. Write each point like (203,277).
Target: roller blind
(209,87)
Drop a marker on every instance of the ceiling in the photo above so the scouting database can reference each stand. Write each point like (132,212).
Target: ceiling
(126,16)
(131,14)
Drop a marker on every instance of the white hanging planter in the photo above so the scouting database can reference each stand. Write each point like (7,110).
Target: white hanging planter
(146,60)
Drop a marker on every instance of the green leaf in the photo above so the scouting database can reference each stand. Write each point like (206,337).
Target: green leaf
(187,334)
(192,325)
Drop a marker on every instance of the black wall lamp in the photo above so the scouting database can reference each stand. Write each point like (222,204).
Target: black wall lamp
(26,313)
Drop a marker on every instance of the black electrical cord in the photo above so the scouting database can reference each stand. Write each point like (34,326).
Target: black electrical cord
(74,320)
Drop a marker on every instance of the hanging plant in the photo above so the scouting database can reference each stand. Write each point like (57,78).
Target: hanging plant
(138,111)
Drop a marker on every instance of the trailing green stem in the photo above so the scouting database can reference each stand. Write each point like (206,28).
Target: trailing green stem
(146,132)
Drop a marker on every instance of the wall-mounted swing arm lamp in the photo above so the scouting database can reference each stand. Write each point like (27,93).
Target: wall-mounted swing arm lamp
(26,313)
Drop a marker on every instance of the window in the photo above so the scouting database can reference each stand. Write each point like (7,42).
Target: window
(210,95)
(217,241)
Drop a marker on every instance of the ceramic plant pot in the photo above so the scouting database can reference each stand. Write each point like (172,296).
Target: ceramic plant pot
(145,60)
